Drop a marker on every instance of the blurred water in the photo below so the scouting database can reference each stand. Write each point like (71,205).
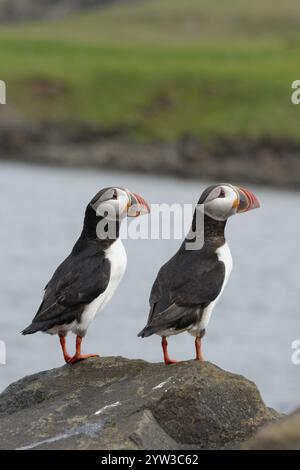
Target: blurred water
(252,327)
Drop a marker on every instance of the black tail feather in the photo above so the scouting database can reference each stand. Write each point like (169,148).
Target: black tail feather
(175,317)
(145,332)
(33,328)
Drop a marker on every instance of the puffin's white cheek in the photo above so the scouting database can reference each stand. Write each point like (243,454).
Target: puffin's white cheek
(109,210)
(227,209)
(220,209)
(123,205)
(123,210)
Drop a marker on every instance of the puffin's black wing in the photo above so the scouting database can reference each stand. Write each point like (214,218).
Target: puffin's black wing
(184,286)
(81,278)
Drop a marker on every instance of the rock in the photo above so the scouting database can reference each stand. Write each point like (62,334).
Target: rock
(117,403)
(283,435)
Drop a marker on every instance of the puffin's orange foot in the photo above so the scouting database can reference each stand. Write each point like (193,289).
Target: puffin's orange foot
(168,362)
(67,358)
(80,357)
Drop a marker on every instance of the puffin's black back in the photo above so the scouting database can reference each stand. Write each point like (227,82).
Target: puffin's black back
(80,279)
(187,283)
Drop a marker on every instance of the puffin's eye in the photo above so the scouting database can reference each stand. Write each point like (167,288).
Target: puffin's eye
(222,193)
(115,195)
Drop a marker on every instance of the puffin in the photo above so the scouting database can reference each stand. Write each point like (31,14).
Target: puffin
(189,285)
(86,280)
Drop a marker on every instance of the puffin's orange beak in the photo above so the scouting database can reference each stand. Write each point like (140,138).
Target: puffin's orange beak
(137,205)
(246,200)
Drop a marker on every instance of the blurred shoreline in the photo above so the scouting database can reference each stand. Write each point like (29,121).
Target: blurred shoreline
(265,161)
(188,89)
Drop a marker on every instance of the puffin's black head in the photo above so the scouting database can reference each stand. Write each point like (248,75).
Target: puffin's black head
(107,209)
(220,201)
(117,203)
(114,204)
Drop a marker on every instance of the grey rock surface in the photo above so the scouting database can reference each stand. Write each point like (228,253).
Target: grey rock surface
(117,403)
(282,435)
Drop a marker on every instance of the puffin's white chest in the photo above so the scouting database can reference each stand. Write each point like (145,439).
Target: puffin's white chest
(224,255)
(117,257)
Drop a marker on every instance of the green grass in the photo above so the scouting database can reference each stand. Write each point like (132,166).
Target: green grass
(161,69)
(178,22)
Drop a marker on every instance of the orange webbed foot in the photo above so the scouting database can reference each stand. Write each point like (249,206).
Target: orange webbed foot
(81,357)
